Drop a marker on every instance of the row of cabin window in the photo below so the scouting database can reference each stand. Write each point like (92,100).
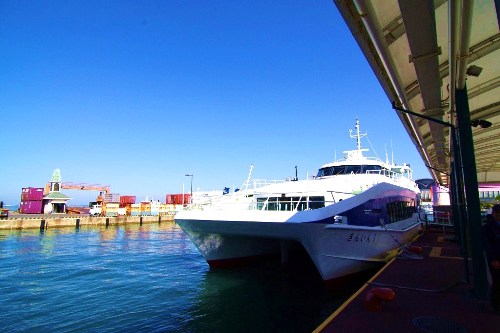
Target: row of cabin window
(400,210)
(347,169)
(289,203)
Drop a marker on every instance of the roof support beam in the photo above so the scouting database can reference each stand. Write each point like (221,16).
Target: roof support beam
(476,52)
(453,21)
(420,26)
(464,39)
(365,29)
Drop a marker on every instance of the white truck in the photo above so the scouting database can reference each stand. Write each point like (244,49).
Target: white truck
(95,210)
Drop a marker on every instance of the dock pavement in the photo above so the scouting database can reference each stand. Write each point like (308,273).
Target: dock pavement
(48,221)
(424,293)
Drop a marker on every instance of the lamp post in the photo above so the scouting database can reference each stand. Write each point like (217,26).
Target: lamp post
(465,196)
(457,196)
(191,196)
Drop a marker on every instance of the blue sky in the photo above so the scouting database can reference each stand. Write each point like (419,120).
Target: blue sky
(135,94)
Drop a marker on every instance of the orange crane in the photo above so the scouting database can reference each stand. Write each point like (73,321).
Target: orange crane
(85,186)
(82,186)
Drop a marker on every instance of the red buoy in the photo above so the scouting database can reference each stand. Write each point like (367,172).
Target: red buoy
(375,296)
(415,249)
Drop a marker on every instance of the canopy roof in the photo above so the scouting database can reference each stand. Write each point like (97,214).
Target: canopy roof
(56,196)
(409,45)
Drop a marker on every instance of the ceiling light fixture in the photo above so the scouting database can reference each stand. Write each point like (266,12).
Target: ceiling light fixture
(474,70)
(481,122)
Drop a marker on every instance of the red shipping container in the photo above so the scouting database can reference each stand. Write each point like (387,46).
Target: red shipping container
(169,199)
(127,200)
(31,207)
(179,199)
(32,194)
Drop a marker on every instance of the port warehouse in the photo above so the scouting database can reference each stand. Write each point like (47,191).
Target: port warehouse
(37,201)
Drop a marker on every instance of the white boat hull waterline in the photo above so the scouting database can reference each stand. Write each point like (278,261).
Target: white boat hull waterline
(347,222)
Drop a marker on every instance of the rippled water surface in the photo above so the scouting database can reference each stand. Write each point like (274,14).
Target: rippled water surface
(147,278)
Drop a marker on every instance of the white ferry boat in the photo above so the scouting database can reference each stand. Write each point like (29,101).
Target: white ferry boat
(348,218)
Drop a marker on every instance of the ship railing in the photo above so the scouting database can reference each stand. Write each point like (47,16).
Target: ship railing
(270,203)
(442,218)
(397,176)
(296,203)
(436,218)
(258,183)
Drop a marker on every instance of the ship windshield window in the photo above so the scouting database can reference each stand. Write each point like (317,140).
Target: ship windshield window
(316,202)
(352,169)
(323,172)
(338,170)
(371,168)
(331,171)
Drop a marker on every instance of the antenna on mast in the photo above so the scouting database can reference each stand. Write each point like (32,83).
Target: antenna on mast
(392,153)
(247,181)
(358,135)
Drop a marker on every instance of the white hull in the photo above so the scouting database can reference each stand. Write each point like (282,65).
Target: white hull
(336,250)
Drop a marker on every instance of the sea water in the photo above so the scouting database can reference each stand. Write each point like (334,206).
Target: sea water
(147,278)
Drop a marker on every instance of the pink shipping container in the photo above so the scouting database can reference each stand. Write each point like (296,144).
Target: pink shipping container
(31,207)
(32,194)
(127,200)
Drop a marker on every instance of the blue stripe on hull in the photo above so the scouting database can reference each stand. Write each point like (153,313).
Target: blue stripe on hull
(370,213)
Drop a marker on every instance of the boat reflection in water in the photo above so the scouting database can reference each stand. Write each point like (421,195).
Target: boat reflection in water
(267,298)
(347,219)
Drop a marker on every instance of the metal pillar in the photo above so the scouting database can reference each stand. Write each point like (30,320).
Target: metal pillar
(458,201)
(469,173)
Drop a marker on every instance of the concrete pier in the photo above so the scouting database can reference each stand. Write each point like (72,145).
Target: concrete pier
(65,221)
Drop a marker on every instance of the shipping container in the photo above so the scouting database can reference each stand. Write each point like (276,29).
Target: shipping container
(135,209)
(111,209)
(178,199)
(31,207)
(146,208)
(127,200)
(32,194)
(170,199)
(112,197)
(155,207)
(164,209)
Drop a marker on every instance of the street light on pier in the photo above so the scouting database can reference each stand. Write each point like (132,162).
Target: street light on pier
(191,196)
(464,189)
